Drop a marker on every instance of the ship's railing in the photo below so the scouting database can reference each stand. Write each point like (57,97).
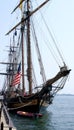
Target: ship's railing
(7,119)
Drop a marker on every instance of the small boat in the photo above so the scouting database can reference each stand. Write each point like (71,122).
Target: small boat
(28,114)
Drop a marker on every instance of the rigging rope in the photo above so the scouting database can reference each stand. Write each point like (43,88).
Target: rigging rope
(49,47)
(34,77)
(60,85)
(39,55)
(53,41)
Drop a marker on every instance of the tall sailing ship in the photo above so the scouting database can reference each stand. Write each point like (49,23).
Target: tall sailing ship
(26,87)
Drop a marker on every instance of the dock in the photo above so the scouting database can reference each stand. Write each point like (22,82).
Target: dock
(5,120)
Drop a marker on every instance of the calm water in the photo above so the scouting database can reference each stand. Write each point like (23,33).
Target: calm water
(58,116)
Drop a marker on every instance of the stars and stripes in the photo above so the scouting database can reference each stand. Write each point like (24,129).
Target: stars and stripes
(17,77)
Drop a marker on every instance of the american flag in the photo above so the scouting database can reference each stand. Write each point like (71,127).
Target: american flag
(17,77)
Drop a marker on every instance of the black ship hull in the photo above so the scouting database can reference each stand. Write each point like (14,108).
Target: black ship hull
(23,105)
(29,103)
(29,108)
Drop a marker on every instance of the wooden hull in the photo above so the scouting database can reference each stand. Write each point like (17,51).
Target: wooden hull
(27,106)
(29,103)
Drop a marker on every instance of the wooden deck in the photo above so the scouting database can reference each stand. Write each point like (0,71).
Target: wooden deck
(5,120)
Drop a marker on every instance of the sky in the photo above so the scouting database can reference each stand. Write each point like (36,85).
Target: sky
(61,20)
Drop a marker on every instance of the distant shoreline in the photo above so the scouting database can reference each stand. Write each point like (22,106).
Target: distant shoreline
(65,94)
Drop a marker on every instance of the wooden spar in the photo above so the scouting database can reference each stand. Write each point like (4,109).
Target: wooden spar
(8,63)
(22,44)
(29,63)
(31,13)
(57,77)
(40,6)
(5,74)
(18,5)
(12,46)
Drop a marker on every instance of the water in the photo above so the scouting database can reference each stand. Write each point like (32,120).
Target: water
(58,116)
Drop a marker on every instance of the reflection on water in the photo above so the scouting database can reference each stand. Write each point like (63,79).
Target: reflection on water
(58,116)
(41,123)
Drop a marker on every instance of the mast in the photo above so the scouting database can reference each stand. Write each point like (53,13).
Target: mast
(29,63)
(23,21)
(22,43)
